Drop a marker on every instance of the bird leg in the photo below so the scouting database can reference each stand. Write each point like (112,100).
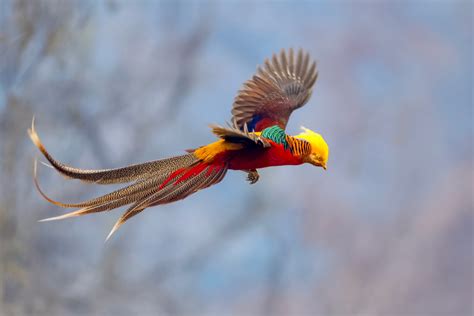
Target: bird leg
(252,176)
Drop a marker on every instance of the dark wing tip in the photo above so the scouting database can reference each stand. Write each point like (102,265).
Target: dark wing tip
(236,133)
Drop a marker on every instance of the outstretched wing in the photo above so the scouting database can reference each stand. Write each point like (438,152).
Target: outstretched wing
(283,85)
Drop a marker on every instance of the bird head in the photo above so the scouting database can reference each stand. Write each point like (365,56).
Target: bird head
(319,149)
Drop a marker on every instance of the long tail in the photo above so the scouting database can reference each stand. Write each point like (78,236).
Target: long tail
(108,176)
(160,182)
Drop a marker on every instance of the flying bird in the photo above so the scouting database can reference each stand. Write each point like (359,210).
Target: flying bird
(254,139)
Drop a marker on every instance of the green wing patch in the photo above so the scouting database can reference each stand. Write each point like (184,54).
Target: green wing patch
(276,134)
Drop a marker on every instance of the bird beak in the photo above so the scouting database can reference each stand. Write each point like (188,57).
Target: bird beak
(319,164)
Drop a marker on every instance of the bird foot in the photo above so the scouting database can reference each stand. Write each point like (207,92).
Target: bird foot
(253,176)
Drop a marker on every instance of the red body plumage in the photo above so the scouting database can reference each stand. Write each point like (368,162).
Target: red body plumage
(243,159)
(256,158)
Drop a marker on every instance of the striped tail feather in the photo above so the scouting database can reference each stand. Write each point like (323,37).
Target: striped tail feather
(109,176)
(129,191)
(123,197)
(171,185)
(178,186)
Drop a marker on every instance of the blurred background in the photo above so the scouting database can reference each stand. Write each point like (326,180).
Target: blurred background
(387,230)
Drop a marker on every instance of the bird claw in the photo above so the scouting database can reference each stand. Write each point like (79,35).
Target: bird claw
(253,176)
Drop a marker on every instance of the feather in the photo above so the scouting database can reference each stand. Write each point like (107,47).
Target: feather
(169,180)
(111,204)
(108,176)
(181,185)
(282,85)
(234,134)
(143,184)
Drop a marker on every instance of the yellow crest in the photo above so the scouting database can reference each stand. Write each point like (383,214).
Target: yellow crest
(319,147)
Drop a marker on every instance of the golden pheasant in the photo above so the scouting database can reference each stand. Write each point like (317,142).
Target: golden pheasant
(255,139)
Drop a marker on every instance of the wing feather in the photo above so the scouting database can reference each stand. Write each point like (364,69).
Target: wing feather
(233,133)
(282,85)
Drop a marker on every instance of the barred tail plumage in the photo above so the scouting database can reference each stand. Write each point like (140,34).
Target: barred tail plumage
(109,176)
(181,185)
(154,183)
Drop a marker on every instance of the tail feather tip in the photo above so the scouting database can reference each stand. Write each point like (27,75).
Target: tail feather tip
(114,229)
(49,219)
(56,218)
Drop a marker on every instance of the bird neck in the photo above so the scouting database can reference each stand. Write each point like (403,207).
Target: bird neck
(298,147)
